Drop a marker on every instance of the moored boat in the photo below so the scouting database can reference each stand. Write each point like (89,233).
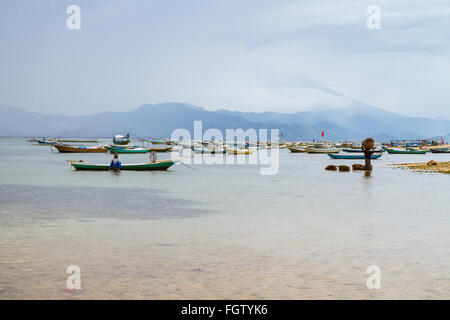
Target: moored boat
(64,148)
(440,150)
(161,149)
(75,140)
(323,150)
(352,156)
(123,150)
(147,166)
(416,149)
(360,150)
(399,151)
(209,151)
(46,142)
(121,140)
(158,142)
(351,150)
(296,149)
(239,151)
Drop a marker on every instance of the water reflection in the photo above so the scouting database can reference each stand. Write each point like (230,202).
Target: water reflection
(31,202)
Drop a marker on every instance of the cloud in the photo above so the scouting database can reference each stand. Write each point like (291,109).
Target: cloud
(243,55)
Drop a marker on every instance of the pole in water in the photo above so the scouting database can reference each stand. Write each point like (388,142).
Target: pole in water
(153,156)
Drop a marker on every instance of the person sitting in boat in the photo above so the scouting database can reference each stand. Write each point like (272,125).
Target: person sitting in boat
(115,163)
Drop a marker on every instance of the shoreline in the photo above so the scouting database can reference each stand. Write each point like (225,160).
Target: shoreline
(430,166)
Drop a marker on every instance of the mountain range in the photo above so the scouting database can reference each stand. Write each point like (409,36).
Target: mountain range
(354,122)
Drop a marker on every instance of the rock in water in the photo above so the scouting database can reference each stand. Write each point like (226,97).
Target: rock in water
(358,166)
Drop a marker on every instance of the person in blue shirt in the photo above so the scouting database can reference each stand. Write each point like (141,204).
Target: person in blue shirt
(115,163)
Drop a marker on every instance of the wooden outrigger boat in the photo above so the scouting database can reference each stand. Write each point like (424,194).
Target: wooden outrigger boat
(440,150)
(360,150)
(64,148)
(296,149)
(352,156)
(323,150)
(147,166)
(166,149)
(416,149)
(46,142)
(239,151)
(121,140)
(123,150)
(158,142)
(398,151)
(76,141)
(351,150)
(208,151)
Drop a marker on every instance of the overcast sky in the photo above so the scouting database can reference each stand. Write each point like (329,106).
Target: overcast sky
(248,55)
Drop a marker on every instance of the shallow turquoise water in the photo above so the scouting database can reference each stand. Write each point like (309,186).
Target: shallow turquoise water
(302,233)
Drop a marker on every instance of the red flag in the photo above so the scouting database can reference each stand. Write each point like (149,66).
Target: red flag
(323,133)
(442,140)
(281,134)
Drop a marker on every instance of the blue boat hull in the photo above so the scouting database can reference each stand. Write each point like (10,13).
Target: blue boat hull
(348,157)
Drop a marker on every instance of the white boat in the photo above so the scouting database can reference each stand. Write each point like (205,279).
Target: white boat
(205,150)
(121,140)
(323,150)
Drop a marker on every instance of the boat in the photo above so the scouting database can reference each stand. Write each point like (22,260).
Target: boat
(351,150)
(417,149)
(158,142)
(296,149)
(440,150)
(166,149)
(322,150)
(210,151)
(147,166)
(76,141)
(122,150)
(352,156)
(64,148)
(257,145)
(400,151)
(121,140)
(46,142)
(360,150)
(239,151)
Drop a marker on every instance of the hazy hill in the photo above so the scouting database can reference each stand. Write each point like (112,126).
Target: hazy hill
(355,122)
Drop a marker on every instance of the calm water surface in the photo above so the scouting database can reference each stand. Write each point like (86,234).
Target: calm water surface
(221,231)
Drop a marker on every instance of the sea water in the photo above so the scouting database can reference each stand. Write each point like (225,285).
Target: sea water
(221,231)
